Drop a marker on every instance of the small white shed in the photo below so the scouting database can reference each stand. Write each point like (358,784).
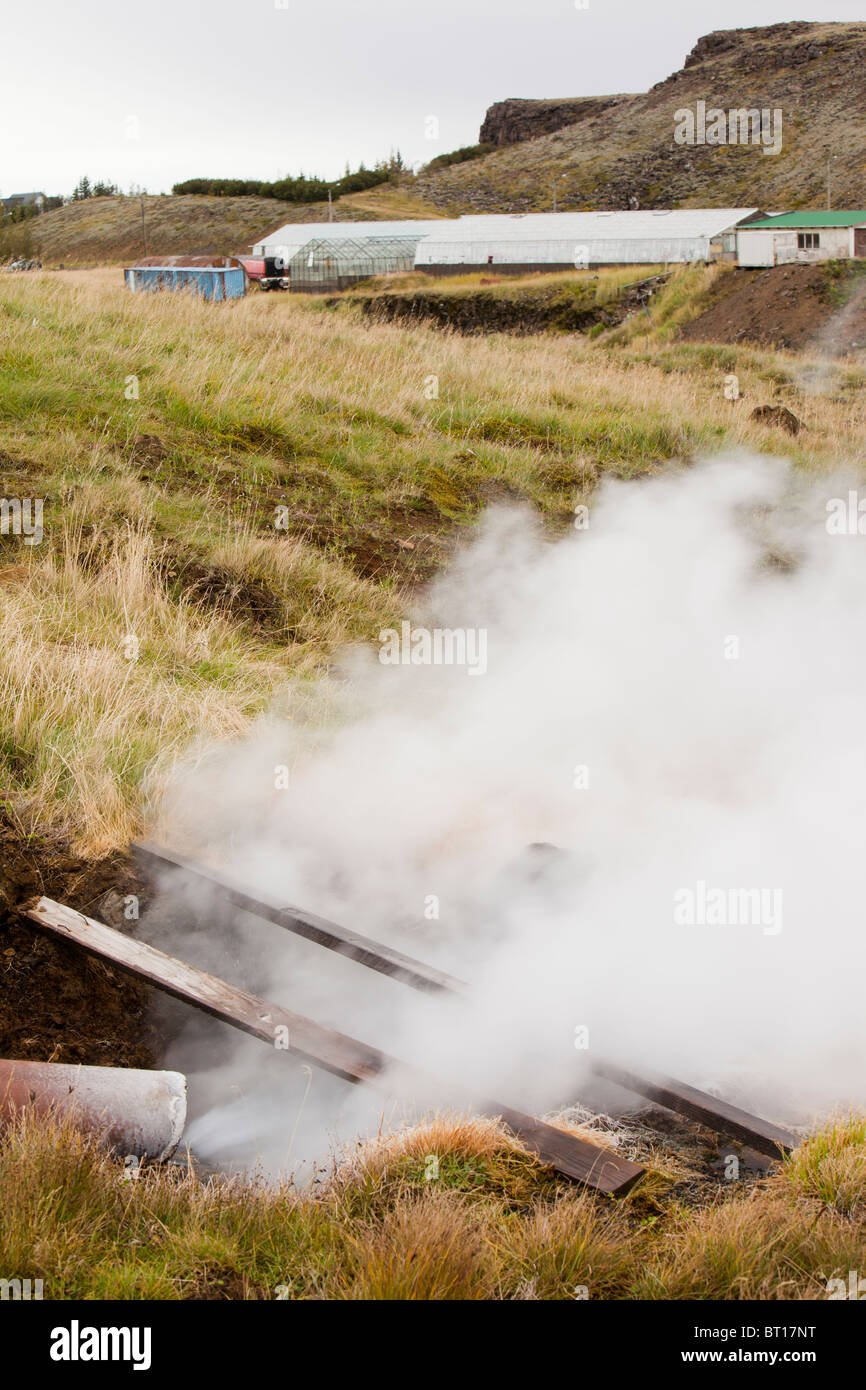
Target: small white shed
(806,237)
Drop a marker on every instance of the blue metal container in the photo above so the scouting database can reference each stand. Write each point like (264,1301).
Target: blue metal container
(209,281)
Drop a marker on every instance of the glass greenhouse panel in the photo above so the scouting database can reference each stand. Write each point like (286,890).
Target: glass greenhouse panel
(331,263)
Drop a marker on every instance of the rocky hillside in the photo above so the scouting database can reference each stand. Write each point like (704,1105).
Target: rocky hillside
(516,119)
(620,151)
(107,231)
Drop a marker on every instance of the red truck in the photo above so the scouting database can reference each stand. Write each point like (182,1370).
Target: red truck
(268,272)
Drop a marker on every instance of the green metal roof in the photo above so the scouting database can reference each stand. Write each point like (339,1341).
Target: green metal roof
(808,219)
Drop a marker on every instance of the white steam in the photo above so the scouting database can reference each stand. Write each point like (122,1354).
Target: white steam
(675,697)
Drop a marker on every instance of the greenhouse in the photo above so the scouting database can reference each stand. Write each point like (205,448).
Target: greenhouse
(562,241)
(293,239)
(326,257)
(327,264)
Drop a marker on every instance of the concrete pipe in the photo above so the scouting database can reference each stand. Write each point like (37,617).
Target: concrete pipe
(139,1114)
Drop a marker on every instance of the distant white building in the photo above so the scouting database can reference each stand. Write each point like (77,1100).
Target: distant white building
(287,241)
(792,237)
(513,242)
(322,256)
(23,200)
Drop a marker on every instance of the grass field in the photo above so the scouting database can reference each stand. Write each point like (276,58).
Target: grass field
(165,435)
(484,1222)
(232,492)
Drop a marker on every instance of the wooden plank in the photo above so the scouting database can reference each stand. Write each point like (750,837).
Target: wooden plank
(715,1114)
(601,1169)
(598,1168)
(685,1100)
(675,1095)
(344,942)
(341,1055)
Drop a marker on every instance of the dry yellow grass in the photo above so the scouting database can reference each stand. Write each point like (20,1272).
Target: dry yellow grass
(108,231)
(276,356)
(279,402)
(489,1223)
(103,676)
(274,402)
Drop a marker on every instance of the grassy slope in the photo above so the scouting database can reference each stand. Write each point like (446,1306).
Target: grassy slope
(107,231)
(630,152)
(160,512)
(159,525)
(490,1224)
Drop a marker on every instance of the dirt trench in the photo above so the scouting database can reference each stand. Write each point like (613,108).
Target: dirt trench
(56,1003)
(794,307)
(537,308)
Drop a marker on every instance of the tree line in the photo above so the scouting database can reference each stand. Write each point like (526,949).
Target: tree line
(302,189)
(100,189)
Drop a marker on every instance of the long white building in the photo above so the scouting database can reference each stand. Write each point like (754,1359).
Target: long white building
(287,241)
(547,241)
(329,255)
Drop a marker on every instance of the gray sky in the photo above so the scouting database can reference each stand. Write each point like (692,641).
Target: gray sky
(151,94)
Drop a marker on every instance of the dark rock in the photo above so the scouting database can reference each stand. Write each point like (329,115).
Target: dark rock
(515,119)
(777,415)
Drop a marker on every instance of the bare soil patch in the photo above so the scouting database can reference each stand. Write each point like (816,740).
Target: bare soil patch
(56,1004)
(789,307)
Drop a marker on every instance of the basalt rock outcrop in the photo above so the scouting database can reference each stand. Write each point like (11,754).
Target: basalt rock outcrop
(612,152)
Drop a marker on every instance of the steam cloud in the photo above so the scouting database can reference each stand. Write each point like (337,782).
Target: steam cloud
(674,697)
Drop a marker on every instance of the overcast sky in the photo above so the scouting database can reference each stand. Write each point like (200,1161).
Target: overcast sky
(172,89)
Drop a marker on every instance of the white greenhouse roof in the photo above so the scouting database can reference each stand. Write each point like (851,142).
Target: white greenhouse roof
(648,224)
(298,234)
(649,234)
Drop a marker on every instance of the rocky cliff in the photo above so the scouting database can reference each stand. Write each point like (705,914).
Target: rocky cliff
(515,119)
(620,151)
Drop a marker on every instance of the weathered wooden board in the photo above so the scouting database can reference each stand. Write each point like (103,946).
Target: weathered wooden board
(715,1114)
(373,954)
(355,1061)
(595,1167)
(685,1100)
(342,1055)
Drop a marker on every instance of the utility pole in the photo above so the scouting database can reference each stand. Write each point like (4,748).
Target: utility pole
(330,207)
(143,227)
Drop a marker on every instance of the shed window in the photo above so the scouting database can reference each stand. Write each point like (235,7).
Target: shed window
(808,241)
